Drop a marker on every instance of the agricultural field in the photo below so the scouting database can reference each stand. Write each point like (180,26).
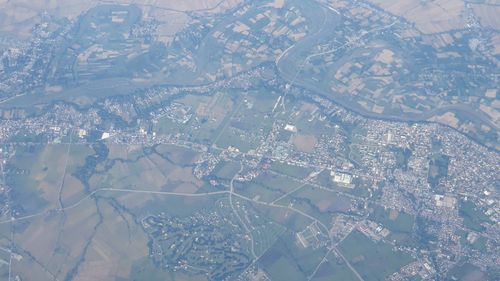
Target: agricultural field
(374,261)
(263,140)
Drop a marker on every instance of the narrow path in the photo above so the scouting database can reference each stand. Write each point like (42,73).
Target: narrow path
(61,186)
(349,265)
(231,193)
(325,258)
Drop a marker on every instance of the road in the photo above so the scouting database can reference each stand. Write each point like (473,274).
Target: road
(61,186)
(231,194)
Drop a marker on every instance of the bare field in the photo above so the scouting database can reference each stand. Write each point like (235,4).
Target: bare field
(304,143)
(118,242)
(488,15)
(142,175)
(150,172)
(49,171)
(448,118)
(184,6)
(495,44)
(179,155)
(28,269)
(18,17)
(58,242)
(73,190)
(445,15)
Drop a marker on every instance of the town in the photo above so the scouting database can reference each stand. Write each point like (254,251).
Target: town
(261,140)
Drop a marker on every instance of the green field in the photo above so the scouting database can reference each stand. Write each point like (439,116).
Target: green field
(373,260)
(290,170)
(286,260)
(144,269)
(438,168)
(473,216)
(226,170)
(267,187)
(318,202)
(44,174)
(468,272)
(393,220)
